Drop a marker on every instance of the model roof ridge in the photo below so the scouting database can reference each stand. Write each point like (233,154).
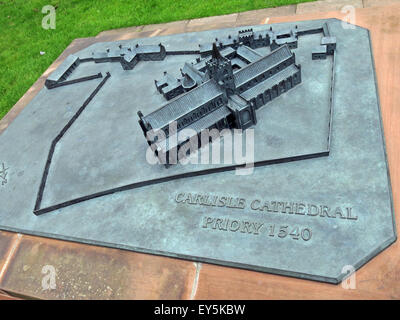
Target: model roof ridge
(269,82)
(159,114)
(284,49)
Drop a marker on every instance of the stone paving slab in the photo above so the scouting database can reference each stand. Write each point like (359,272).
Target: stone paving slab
(120,31)
(326,5)
(174,27)
(5,296)
(217,282)
(260,16)
(379,3)
(210,23)
(88,272)
(7,241)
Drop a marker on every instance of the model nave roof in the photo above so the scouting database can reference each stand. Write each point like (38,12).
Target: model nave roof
(183,104)
(270,82)
(257,67)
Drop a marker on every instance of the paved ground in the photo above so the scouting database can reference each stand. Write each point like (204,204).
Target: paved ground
(89,272)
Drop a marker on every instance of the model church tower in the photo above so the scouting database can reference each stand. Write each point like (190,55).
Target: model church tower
(220,69)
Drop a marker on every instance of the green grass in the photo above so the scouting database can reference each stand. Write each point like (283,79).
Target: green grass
(22,36)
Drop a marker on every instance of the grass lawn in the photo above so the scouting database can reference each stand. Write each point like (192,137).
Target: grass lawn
(22,36)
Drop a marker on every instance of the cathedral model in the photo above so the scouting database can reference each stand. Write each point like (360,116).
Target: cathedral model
(222,97)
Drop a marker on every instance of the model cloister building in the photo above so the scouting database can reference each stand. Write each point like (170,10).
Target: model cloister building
(228,99)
